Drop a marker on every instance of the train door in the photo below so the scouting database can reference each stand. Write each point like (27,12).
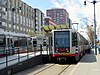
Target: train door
(9,41)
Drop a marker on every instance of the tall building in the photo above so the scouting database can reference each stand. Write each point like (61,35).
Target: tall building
(38,20)
(17,16)
(59,16)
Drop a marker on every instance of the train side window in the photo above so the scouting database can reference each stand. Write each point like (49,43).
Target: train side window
(11,41)
(1,41)
(74,39)
(8,41)
(16,43)
(73,43)
(22,42)
(76,42)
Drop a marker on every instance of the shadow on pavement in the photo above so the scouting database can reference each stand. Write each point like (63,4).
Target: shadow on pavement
(89,58)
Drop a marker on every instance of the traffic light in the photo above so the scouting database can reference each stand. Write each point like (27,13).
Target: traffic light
(84,2)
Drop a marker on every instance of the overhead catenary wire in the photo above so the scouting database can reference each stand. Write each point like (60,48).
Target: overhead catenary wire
(59,3)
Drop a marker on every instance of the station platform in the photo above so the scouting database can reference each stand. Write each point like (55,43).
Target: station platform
(88,65)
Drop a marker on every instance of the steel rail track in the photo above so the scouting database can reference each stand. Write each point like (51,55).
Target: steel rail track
(63,68)
(44,69)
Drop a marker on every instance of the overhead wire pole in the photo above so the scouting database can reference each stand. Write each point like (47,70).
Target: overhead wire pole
(76,24)
(59,3)
(95,29)
(95,36)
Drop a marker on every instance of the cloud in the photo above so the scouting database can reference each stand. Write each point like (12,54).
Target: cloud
(77,10)
(73,7)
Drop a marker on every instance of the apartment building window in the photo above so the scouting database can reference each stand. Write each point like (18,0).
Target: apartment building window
(10,25)
(9,16)
(21,28)
(0,23)
(3,24)
(18,27)
(0,14)
(26,21)
(3,9)
(17,19)
(31,23)
(23,20)
(27,30)
(20,19)
(4,16)
(0,7)
(14,26)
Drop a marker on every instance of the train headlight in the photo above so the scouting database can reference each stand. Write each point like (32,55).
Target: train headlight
(67,50)
(76,50)
(57,49)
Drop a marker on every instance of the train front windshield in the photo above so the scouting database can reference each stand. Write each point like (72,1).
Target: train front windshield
(61,41)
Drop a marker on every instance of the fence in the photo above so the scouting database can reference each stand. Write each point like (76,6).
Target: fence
(13,55)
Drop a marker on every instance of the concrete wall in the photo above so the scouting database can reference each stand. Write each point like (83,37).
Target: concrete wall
(22,65)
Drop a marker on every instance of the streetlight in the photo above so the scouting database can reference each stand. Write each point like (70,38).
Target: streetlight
(13,9)
(95,37)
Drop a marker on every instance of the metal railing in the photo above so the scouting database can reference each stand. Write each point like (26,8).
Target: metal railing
(15,55)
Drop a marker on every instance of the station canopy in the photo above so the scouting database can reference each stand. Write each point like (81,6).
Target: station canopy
(51,27)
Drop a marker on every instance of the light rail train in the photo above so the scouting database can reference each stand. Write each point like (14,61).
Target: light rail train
(11,42)
(67,43)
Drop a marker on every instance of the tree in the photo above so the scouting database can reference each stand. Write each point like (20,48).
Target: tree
(90,33)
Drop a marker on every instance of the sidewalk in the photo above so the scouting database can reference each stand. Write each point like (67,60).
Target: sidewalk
(89,65)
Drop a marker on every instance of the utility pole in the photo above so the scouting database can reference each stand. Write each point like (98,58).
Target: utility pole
(95,36)
(95,29)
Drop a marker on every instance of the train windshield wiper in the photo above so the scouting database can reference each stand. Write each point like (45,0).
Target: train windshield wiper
(57,43)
